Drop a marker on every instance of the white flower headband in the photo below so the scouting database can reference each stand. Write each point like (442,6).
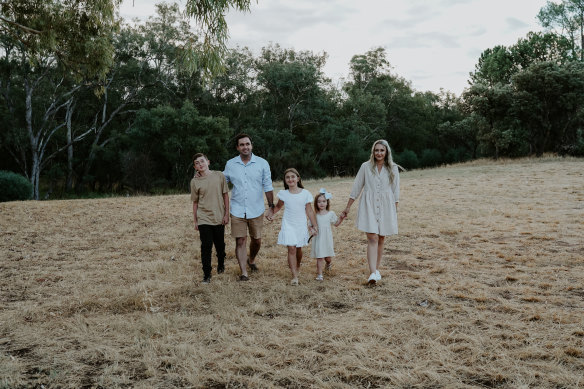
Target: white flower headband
(327,195)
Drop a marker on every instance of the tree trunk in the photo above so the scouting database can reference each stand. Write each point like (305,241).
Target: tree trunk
(35,166)
(69,114)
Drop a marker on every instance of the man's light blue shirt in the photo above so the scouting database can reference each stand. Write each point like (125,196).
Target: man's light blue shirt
(249,184)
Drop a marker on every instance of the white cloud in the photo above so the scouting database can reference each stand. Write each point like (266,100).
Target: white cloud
(434,44)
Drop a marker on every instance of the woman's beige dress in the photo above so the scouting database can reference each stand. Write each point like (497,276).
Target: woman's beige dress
(377,213)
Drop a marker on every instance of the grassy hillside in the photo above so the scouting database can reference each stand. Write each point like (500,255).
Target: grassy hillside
(484,287)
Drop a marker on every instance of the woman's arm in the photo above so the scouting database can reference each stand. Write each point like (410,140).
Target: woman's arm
(345,212)
(357,188)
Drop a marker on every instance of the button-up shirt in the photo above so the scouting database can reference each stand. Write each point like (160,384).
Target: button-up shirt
(250,181)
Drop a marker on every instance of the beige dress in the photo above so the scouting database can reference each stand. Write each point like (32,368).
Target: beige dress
(377,213)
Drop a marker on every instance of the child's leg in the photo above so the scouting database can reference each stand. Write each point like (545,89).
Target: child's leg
(292,262)
(319,266)
(219,242)
(298,256)
(328,261)
(206,235)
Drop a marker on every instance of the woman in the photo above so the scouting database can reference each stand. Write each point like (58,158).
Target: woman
(378,179)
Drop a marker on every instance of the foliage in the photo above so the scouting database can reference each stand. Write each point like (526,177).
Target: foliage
(430,157)
(408,159)
(566,18)
(77,33)
(14,187)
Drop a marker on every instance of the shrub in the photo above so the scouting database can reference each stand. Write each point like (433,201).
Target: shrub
(408,159)
(14,187)
(430,157)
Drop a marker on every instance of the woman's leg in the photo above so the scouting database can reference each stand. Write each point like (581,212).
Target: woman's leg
(379,250)
(292,261)
(372,249)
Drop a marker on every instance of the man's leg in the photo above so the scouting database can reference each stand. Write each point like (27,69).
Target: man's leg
(254,248)
(241,254)
(255,233)
(239,232)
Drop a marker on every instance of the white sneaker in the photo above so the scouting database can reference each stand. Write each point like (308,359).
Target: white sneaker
(319,277)
(378,275)
(372,279)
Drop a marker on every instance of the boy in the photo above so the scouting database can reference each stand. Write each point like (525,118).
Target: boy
(210,197)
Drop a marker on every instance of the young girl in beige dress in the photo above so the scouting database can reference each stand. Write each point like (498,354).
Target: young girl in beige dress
(322,244)
(378,180)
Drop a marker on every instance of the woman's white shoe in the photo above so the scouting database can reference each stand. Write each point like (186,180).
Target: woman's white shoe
(372,279)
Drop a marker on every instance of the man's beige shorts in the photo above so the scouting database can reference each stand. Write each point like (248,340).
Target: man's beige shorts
(239,227)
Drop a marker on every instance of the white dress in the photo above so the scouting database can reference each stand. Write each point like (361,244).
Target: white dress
(294,230)
(377,212)
(322,244)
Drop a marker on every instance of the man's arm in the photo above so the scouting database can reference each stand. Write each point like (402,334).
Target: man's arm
(270,198)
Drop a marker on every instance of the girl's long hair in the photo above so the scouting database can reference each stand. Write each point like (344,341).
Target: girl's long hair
(387,162)
(291,169)
(328,202)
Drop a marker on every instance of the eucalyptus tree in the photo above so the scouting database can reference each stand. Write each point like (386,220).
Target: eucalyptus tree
(566,18)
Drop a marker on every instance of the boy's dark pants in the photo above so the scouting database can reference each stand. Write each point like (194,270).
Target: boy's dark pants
(212,235)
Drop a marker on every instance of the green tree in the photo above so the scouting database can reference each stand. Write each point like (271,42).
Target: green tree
(566,17)
(549,102)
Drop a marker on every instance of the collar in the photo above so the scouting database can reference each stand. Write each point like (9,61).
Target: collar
(252,159)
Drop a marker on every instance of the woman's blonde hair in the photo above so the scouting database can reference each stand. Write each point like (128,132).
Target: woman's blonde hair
(291,169)
(388,160)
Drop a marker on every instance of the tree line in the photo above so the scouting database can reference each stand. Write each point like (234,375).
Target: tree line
(135,127)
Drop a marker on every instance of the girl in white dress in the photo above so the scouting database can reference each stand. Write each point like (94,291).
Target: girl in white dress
(294,233)
(378,179)
(322,245)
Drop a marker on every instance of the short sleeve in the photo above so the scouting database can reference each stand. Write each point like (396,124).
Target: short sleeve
(224,186)
(333,217)
(194,192)
(308,197)
(282,195)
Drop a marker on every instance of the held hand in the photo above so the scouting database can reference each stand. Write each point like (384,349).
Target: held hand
(269,214)
(196,227)
(314,230)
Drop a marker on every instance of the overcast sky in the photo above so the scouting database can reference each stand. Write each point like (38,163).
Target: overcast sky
(432,43)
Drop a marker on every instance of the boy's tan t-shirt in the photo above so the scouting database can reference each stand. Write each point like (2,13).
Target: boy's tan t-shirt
(208,192)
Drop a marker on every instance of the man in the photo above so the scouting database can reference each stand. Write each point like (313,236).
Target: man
(251,177)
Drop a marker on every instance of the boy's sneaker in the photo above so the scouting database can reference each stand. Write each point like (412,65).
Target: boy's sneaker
(319,277)
(207,279)
(220,269)
(294,281)
(328,266)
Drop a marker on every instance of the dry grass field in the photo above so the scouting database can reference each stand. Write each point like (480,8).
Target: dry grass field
(484,287)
